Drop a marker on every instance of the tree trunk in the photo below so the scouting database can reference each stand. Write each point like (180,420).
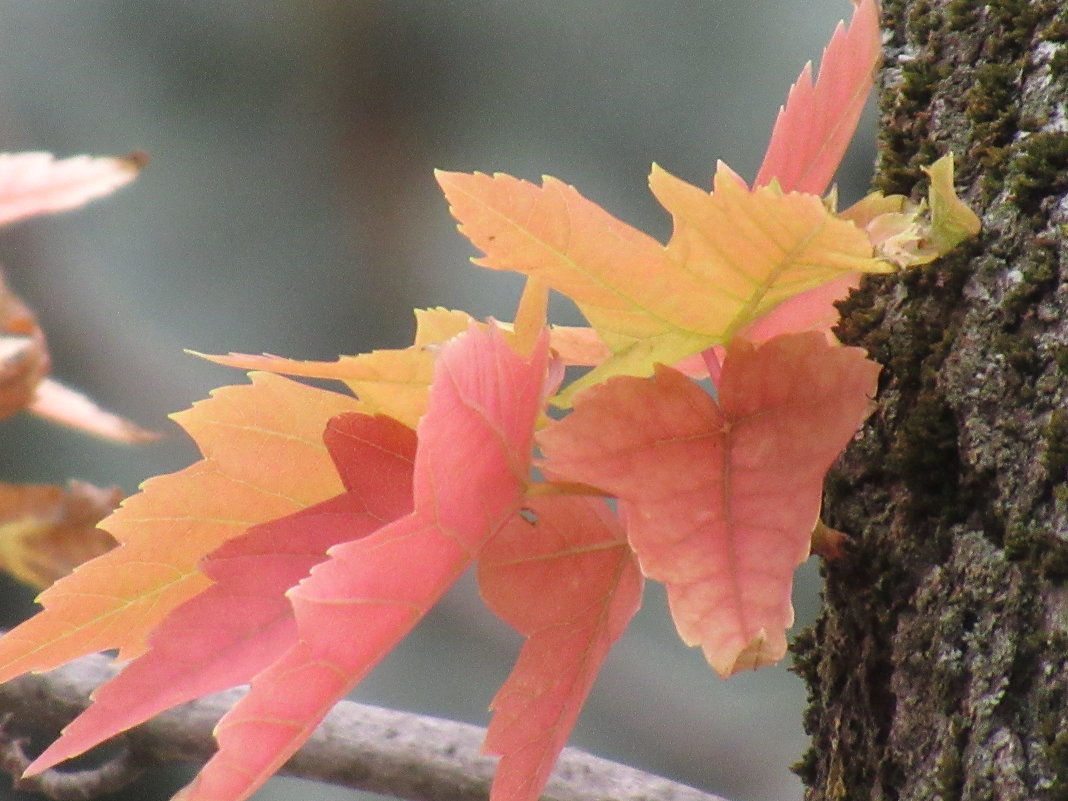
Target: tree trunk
(939,668)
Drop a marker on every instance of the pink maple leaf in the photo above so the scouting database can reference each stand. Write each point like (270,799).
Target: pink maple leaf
(470,474)
(720,498)
(814,129)
(568,581)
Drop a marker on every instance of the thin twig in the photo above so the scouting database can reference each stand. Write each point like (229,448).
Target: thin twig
(359,746)
(109,776)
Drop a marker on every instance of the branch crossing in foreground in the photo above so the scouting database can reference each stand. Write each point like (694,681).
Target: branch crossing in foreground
(400,754)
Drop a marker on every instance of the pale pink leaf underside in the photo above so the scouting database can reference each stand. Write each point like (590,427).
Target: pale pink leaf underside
(61,404)
(37,183)
(812,310)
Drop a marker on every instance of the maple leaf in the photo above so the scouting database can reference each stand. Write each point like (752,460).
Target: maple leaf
(568,581)
(470,474)
(720,498)
(817,123)
(263,459)
(234,629)
(389,382)
(45,531)
(734,254)
(37,183)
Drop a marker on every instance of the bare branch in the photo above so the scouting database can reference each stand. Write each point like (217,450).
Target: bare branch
(363,747)
(76,785)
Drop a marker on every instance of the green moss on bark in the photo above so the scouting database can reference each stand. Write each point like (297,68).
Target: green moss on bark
(1041,169)
(938,668)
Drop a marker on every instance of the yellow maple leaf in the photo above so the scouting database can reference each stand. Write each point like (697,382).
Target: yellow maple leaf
(389,382)
(735,253)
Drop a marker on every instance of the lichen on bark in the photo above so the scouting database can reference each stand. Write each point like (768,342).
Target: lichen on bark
(939,667)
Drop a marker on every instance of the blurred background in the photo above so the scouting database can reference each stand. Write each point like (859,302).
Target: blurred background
(290,207)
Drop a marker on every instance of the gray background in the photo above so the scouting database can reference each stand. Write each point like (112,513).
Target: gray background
(290,208)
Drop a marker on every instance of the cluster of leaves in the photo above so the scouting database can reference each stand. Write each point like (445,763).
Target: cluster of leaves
(46,531)
(319,526)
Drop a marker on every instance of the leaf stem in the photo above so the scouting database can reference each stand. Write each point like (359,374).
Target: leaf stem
(715,369)
(531,316)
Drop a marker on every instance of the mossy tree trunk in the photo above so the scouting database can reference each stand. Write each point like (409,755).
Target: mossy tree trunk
(939,668)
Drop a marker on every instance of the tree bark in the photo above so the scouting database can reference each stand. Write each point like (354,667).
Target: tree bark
(939,667)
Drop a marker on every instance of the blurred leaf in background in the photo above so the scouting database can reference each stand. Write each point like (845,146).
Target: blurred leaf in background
(47,531)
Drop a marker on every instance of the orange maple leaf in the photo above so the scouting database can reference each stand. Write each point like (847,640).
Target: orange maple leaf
(734,255)
(263,458)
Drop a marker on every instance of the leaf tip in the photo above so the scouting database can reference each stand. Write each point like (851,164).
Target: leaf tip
(137,160)
(952,221)
(757,653)
(444,177)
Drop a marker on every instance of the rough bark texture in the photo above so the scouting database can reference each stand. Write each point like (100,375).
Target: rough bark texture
(939,669)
